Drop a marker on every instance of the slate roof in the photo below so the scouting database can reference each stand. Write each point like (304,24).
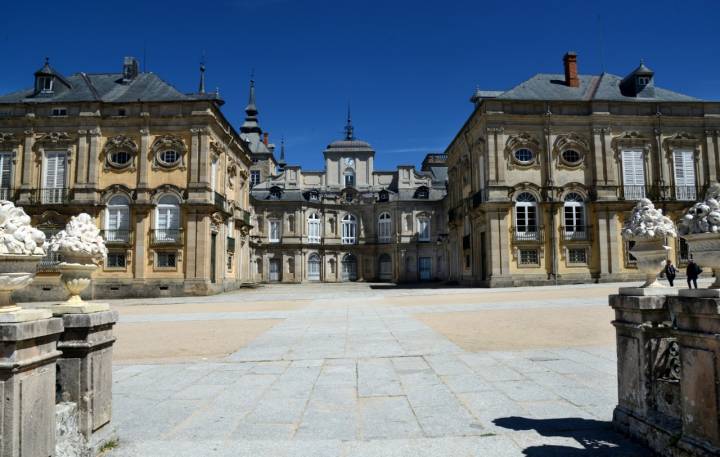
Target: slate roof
(604,87)
(349,145)
(109,88)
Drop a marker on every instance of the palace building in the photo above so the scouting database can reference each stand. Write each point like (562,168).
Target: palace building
(163,172)
(543,175)
(349,222)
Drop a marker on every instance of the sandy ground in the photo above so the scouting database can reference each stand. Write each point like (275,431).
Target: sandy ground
(518,329)
(148,342)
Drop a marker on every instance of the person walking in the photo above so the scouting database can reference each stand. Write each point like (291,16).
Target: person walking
(670,272)
(692,272)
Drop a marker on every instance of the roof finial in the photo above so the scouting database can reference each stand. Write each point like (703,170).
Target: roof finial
(202,74)
(282,150)
(47,60)
(251,100)
(349,130)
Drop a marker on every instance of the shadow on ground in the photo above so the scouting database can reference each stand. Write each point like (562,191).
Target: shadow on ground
(597,438)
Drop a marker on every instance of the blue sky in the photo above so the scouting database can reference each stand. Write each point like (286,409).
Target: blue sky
(406,67)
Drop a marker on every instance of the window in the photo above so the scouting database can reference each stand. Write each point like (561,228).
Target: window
(314,267)
(119,158)
(275,193)
(571,157)
(423,232)
(574,212)
(349,229)
(526,216)
(59,112)
(349,177)
(291,223)
(213,173)
(54,177)
(349,268)
(529,257)
(523,155)
(384,226)
(684,169)
(422,192)
(642,81)
(45,84)
(169,157)
(633,174)
(577,255)
(166,260)
(116,260)
(229,263)
(313,228)
(314,196)
(254,178)
(117,219)
(275,231)
(383,196)
(5,175)
(167,219)
(121,112)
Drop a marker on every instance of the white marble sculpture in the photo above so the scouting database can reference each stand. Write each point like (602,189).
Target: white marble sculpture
(700,227)
(21,248)
(648,228)
(81,248)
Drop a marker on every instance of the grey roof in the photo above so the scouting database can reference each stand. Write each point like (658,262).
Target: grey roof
(544,86)
(109,88)
(349,145)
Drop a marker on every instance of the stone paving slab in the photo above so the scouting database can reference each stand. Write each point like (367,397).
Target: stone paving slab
(363,380)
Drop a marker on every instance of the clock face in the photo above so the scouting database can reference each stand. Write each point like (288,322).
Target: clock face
(349,162)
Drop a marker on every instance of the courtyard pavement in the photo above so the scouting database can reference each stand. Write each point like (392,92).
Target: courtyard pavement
(352,371)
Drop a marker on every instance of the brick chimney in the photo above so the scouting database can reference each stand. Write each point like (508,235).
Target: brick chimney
(265,138)
(571,74)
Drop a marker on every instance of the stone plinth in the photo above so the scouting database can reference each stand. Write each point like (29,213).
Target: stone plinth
(28,352)
(648,370)
(698,329)
(85,371)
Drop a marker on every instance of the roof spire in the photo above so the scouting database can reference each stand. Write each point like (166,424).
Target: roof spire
(282,150)
(202,74)
(251,121)
(349,130)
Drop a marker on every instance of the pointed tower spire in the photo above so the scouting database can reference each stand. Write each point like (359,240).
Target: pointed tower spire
(349,130)
(251,112)
(201,90)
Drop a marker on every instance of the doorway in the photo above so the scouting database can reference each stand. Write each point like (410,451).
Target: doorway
(425,268)
(213,245)
(349,268)
(385,268)
(275,270)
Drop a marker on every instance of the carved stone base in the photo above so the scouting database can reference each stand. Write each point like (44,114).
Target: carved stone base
(648,291)
(79,308)
(700,293)
(24,315)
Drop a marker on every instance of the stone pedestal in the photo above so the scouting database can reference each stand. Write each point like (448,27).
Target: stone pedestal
(28,352)
(85,371)
(648,370)
(698,331)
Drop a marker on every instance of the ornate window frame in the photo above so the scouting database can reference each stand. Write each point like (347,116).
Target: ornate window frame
(522,141)
(574,142)
(683,141)
(9,143)
(164,143)
(631,140)
(119,143)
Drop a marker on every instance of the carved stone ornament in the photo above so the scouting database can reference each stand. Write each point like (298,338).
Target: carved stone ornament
(570,142)
(681,140)
(632,139)
(522,141)
(80,241)
(168,189)
(648,223)
(162,149)
(117,145)
(8,138)
(54,137)
(17,236)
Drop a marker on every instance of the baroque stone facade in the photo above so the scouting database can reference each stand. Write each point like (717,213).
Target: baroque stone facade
(543,176)
(349,221)
(163,173)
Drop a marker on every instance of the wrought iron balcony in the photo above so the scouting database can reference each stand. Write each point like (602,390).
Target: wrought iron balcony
(230,244)
(683,193)
(527,235)
(51,196)
(576,233)
(166,236)
(634,192)
(117,236)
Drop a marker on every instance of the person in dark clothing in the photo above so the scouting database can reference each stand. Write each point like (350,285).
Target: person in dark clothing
(670,272)
(692,272)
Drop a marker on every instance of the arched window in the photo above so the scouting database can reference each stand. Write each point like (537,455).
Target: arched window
(314,267)
(117,219)
(349,229)
(422,192)
(349,177)
(423,227)
(574,212)
(526,226)
(167,219)
(385,267)
(349,268)
(384,226)
(313,228)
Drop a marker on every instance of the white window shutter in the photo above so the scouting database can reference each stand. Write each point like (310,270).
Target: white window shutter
(162,222)
(5,171)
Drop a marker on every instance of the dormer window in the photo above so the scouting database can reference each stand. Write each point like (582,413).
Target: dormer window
(313,196)
(642,81)
(45,84)
(275,193)
(422,192)
(383,196)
